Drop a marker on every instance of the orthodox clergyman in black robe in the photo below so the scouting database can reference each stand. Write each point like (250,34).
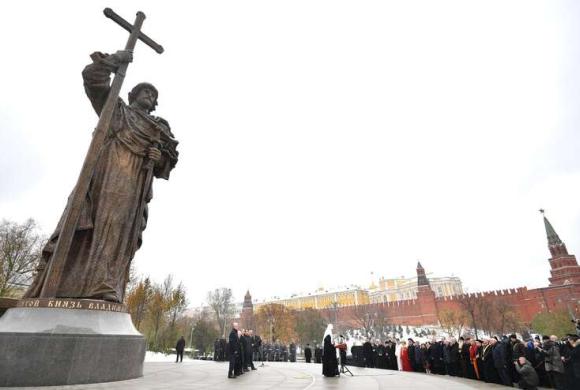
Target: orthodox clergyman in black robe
(329,361)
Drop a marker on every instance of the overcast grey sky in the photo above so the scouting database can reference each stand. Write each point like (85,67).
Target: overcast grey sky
(319,140)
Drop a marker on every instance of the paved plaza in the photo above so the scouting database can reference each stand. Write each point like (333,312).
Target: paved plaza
(279,376)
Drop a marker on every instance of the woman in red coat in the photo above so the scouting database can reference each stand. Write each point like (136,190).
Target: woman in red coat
(473,354)
(405,357)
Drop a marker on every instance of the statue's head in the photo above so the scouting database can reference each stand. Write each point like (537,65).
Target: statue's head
(144,95)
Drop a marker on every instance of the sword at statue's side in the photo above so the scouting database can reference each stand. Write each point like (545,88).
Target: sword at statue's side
(55,266)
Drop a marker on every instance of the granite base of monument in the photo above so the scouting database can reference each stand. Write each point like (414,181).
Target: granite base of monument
(46,342)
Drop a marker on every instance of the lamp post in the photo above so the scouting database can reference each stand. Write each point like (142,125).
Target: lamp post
(335,310)
(191,339)
(225,320)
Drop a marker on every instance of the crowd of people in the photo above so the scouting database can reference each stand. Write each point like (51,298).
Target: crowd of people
(261,351)
(243,348)
(508,360)
(546,361)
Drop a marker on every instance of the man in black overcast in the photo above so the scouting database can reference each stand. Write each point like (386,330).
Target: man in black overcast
(234,344)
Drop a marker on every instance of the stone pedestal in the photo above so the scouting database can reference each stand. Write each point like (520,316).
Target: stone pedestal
(68,341)
(7,303)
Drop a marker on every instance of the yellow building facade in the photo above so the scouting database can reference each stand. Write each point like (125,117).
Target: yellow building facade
(391,290)
(382,291)
(323,299)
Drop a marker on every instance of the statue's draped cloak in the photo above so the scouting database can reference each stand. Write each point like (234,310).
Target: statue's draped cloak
(108,232)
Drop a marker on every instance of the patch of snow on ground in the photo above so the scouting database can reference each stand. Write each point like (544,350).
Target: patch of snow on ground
(161,357)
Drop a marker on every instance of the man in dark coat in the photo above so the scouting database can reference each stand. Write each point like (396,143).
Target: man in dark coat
(308,353)
(375,354)
(566,350)
(452,356)
(283,353)
(463,351)
(436,357)
(518,351)
(248,351)
(575,363)
(426,358)
(411,351)
(292,351)
(500,362)
(488,362)
(233,349)
(391,356)
(267,352)
(277,351)
(317,354)
(216,350)
(179,347)
(539,365)
(419,363)
(256,347)
(553,361)
(381,356)
(223,355)
(239,369)
(368,354)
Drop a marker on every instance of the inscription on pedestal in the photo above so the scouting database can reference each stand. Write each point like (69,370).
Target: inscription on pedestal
(64,303)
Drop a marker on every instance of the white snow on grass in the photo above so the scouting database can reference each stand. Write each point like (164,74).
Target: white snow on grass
(161,357)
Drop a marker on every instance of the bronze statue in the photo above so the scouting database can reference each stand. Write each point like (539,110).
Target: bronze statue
(101,226)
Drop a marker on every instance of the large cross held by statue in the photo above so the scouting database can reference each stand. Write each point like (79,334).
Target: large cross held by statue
(59,256)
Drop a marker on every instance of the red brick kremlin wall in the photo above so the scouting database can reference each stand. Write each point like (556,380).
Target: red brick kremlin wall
(425,309)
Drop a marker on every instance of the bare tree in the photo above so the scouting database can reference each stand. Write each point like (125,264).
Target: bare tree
(381,320)
(372,318)
(506,318)
(470,303)
(331,315)
(452,321)
(221,302)
(20,252)
(486,312)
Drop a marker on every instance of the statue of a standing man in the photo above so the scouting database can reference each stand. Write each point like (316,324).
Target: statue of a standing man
(114,214)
